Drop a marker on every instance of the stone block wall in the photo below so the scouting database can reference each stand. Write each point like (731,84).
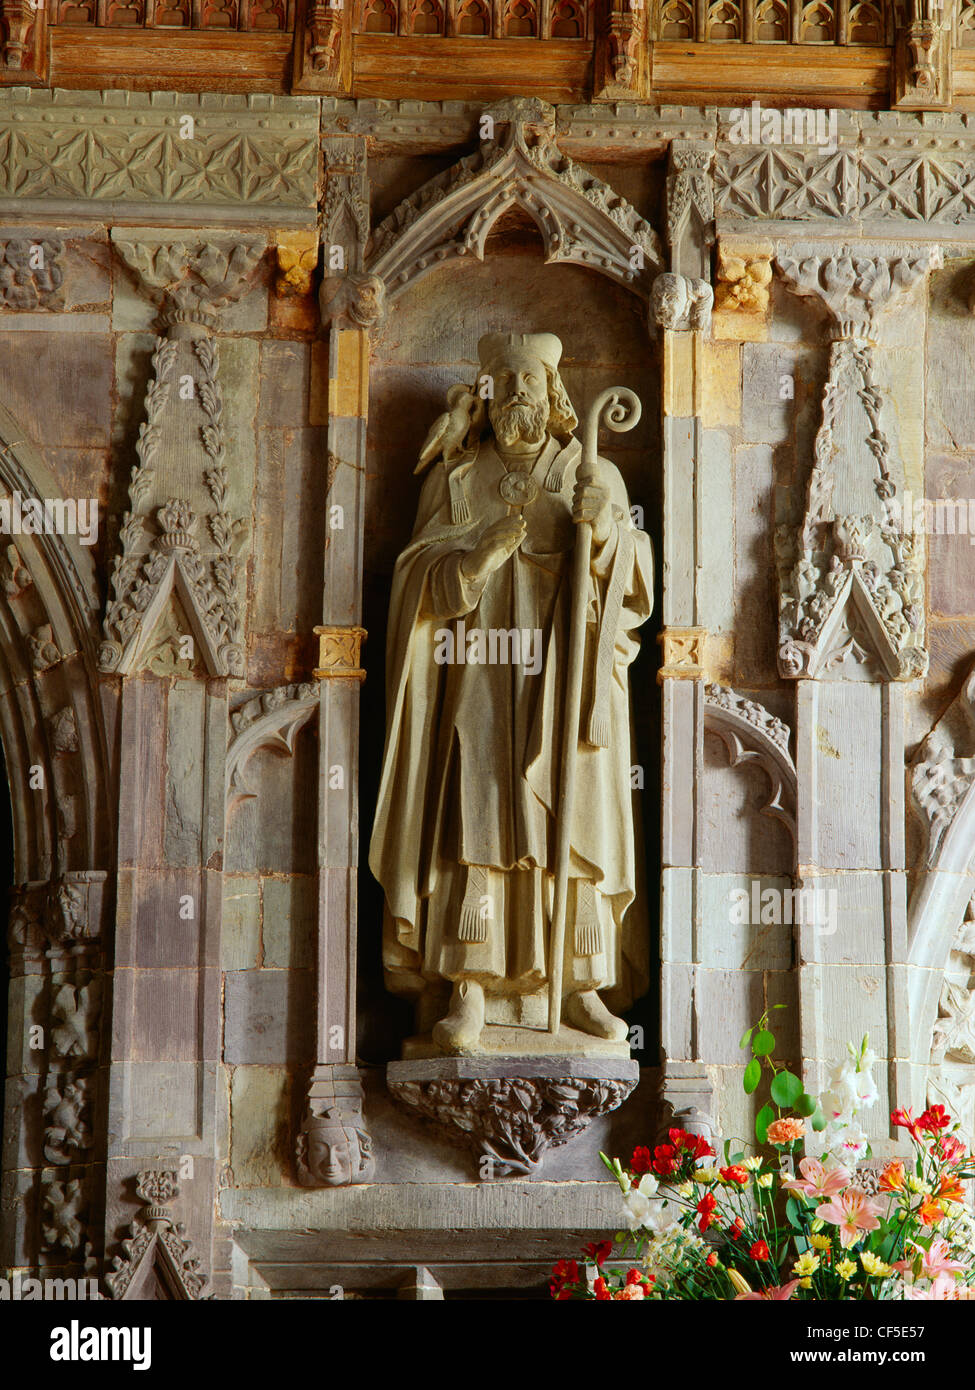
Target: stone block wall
(238,772)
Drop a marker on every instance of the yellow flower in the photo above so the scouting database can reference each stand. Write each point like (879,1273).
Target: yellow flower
(916,1185)
(686,1189)
(817,1224)
(738,1281)
(806,1264)
(820,1242)
(805,1283)
(846,1269)
(766,1179)
(873,1265)
(706,1175)
(753,1163)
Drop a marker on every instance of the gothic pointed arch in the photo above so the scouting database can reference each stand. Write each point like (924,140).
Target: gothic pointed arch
(581,220)
(51,711)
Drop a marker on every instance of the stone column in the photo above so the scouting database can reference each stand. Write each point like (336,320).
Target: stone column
(682,309)
(352,302)
(851,634)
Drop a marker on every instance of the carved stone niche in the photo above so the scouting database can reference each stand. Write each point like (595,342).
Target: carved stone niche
(510,1111)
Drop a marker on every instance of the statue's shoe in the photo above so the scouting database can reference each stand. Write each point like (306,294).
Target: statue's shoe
(460,1029)
(586,1011)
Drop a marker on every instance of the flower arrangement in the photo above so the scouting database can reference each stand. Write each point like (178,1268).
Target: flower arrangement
(751,1228)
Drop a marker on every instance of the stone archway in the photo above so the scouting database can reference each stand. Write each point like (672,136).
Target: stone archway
(55,719)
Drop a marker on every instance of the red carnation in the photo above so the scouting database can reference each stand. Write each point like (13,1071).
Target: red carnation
(665,1160)
(706,1207)
(759,1251)
(601,1291)
(736,1173)
(641,1160)
(693,1143)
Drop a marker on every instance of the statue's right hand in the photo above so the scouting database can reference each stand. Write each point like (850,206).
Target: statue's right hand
(495,545)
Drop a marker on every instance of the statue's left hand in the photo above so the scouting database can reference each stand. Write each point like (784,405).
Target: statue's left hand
(591,502)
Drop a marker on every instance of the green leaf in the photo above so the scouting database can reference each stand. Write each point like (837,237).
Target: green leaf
(762,1121)
(793,1215)
(753,1075)
(763,1043)
(746,1037)
(818,1120)
(806,1104)
(786,1089)
(727,1151)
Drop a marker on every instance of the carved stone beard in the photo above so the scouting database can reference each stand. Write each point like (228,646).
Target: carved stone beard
(518,422)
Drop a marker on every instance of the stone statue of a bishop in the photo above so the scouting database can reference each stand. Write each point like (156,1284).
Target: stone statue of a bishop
(463,842)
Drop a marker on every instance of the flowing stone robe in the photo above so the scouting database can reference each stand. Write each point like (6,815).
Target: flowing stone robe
(471,764)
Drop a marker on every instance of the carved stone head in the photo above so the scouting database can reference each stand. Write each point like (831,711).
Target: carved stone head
(678,301)
(333,1153)
(528,397)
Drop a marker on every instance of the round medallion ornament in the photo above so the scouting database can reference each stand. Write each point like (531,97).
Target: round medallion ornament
(518,489)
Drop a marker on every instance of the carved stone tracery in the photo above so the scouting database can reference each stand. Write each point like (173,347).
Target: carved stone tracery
(752,734)
(190,545)
(156,1246)
(268,720)
(846,573)
(581,220)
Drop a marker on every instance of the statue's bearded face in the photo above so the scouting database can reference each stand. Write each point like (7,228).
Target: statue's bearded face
(520,409)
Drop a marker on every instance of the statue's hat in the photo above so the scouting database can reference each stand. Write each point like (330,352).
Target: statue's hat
(543,345)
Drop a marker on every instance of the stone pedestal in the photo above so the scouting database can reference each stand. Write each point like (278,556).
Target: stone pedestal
(509,1110)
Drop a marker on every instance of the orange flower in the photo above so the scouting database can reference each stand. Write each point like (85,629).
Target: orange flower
(785,1131)
(930,1213)
(892,1178)
(630,1291)
(951,1188)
